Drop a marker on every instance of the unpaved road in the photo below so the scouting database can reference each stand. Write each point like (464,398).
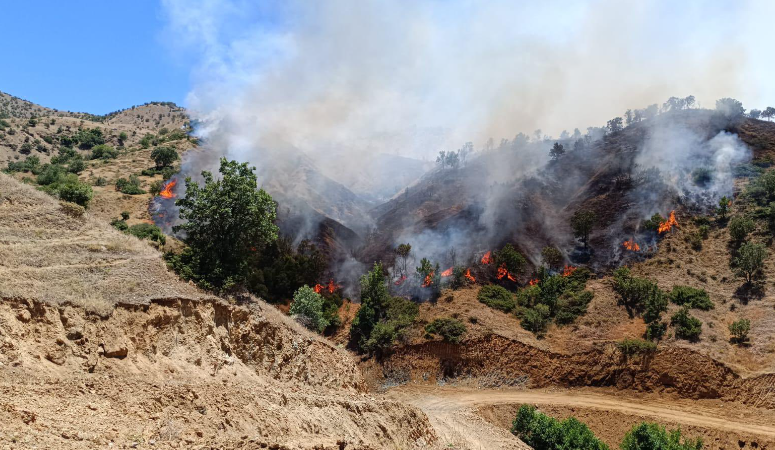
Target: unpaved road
(453,412)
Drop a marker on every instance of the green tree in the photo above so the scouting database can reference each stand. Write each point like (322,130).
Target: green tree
(768,113)
(307,308)
(739,330)
(542,432)
(750,260)
(686,326)
(740,227)
(104,152)
(552,256)
(122,137)
(557,151)
(582,223)
(76,192)
(511,259)
(615,125)
(451,330)
(652,436)
(723,208)
(227,222)
(164,156)
(403,251)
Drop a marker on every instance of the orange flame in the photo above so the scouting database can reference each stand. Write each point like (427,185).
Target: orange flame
(487,258)
(533,282)
(319,288)
(167,191)
(332,287)
(631,245)
(568,271)
(400,281)
(428,279)
(668,224)
(470,277)
(447,273)
(503,272)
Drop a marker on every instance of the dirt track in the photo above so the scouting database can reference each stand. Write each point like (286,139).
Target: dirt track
(449,408)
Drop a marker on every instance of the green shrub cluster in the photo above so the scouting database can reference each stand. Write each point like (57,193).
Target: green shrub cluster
(647,436)
(497,297)
(542,432)
(630,347)
(451,330)
(130,186)
(103,152)
(691,297)
(641,296)
(88,138)
(686,326)
(307,308)
(652,224)
(739,330)
(554,297)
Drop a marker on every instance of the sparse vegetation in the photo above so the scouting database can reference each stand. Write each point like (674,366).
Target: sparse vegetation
(130,186)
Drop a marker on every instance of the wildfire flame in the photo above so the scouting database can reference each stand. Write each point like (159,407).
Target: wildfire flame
(331,287)
(400,281)
(668,224)
(568,271)
(470,277)
(447,273)
(428,279)
(319,288)
(167,191)
(487,258)
(503,272)
(631,245)
(533,282)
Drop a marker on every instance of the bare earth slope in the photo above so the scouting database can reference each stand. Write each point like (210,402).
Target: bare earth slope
(99,344)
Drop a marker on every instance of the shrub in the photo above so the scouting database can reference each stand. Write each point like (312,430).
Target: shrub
(750,260)
(647,436)
(630,347)
(535,319)
(740,227)
(655,330)
(582,223)
(156,187)
(739,330)
(691,297)
(30,164)
(50,174)
(652,224)
(89,138)
(77,165)
(496,297)
(104,152)
(164,156)
(686,326)
(542,432)
(130,186)
(634,292)
(511,259)
(72,209)
(147,231)
(552,256)
(124,215)
(723,208)
(307,308)
(76,192)
(101,181)
(451,330)
(119,224)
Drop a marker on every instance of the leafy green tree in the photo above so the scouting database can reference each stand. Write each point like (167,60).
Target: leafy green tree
(89,138)
(103,152)
(686,326)
(122,137)
(164,156)
(542,432)
(227,222)
(307,308)
(403,251)
(552,256)
(754,113)
(730,108)
(691,297)
(652,436)
(740,227)
(768,113)
(76,192)
(614,125)
(582,223)
(557,151)
(130,186)
(723,207)
(750,260)
(511,259)
(739,330)
(451,330)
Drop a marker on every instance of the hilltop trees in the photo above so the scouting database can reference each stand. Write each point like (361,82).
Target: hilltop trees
(730,108)
(557,151)
(227,222)
(582,223)
(768,113)
(615,125)
(754,114)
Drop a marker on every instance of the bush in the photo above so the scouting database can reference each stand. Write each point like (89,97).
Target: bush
(307,308)
(647,436)
(691,297)
(164,156)
(130,186)
(535,319)
(511,259)
(101,181)
(740,227)
(542,432)
(630,347)
(655,330)
(124,215)
(77,165)
(89,138)
(147,231)
(30,164)
(686,326)
(451,330)
(652,224)
(739,330)
(50,174)
(634,292)
(104,152)
(552,256)
(496,297)
(119,224)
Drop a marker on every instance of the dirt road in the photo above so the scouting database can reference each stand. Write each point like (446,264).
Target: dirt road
(456,413)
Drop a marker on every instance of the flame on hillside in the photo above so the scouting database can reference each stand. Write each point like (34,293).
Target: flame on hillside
(668,224)
(167,191)
(533,282)
(331,287)
(428,279)
(631,245)
(504,273)
(447,273)
(568,271)
(400,281)
(487,258)
(469,276)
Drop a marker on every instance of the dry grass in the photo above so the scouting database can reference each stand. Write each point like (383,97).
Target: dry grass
(47,254)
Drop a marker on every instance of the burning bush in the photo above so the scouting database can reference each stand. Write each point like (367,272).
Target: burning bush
(508,259)
(429,276)
(451,330)
(496,297)
(653,223)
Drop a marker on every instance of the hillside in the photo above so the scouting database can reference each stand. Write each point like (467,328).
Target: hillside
(114,335)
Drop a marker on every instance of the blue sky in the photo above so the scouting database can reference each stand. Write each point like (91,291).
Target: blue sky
(94,56)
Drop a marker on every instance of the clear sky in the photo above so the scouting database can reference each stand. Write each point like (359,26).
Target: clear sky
(94,56)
